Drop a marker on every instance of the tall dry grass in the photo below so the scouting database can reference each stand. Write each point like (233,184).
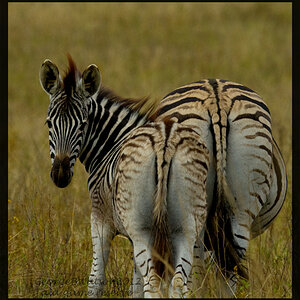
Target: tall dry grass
(141,49)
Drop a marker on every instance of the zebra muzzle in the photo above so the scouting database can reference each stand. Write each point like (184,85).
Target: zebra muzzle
(61,173)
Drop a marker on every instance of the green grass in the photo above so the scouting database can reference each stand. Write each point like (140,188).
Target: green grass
(141,49)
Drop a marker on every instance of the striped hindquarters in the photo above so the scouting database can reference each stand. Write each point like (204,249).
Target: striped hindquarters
(142,175)
(182,147)
(276,198)
(219,109)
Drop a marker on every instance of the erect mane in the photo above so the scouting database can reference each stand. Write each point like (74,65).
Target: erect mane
(144,106)
(69,79)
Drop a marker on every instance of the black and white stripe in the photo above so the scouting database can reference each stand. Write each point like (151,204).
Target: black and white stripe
(235,123)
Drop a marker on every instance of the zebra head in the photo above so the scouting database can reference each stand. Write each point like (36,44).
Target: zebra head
(68,113)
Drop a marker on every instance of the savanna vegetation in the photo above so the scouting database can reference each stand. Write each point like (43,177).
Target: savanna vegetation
(141,49)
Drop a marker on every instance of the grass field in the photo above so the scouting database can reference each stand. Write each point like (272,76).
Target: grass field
(141,49)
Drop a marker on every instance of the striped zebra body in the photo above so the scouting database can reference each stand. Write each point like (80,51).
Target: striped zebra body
(167,162)
(94,125)
(90,124)
(235,124)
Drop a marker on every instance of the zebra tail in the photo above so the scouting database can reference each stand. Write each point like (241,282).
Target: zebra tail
(226,204)
(219,125)
(161,246)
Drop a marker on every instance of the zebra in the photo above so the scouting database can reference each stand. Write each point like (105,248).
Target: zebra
(167,160)
(94,125)
(208,106)
(247,187)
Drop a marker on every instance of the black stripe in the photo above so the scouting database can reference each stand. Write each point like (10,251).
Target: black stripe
(186,261)
(83,154)
(236,86)
(202,163)
(140,253)
(181,118)
(261,158)
(266,149)
(263,174)
(147,269)
(177,103)
(241,237)
(191,180)
(94,149)
(96,125)
(182,269)
(279,187)
(258,197)
(250,213)
(255,117)
(245,98)
(186,89)
(142,264)
(258,134)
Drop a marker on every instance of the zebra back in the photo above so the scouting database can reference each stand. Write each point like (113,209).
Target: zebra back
(166,138)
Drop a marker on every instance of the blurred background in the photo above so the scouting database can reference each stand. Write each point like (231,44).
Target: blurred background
(142,49)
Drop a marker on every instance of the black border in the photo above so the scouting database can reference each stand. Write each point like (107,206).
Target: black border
(4,148)
(4,152)
(295,157)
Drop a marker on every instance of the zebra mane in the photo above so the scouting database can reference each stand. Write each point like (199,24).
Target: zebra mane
(69,79)
(143,106)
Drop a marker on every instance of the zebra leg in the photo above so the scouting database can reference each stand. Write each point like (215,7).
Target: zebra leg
(183,260)
(135,190)
(248,171)
(144,261)
(198,264)
(102,235)
(136,288)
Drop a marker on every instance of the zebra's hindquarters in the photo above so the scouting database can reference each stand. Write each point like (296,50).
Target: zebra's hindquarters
(186,201)
(136,188)
(276,197)
(248,168)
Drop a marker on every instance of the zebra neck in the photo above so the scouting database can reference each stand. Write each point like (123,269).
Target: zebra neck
(109,123)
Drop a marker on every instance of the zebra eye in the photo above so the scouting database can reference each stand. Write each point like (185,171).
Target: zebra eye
(82,126)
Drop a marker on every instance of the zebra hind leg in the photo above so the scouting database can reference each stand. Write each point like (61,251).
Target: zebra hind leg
(136,287)
(183,261)
(144,261)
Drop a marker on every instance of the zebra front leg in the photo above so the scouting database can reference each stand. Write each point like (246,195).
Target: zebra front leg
(102,235)
(136,288)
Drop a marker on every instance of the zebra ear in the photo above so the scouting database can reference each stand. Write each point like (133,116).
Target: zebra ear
(90,81)
(49,77)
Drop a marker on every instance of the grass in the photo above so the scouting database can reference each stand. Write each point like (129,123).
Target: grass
(141,49)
